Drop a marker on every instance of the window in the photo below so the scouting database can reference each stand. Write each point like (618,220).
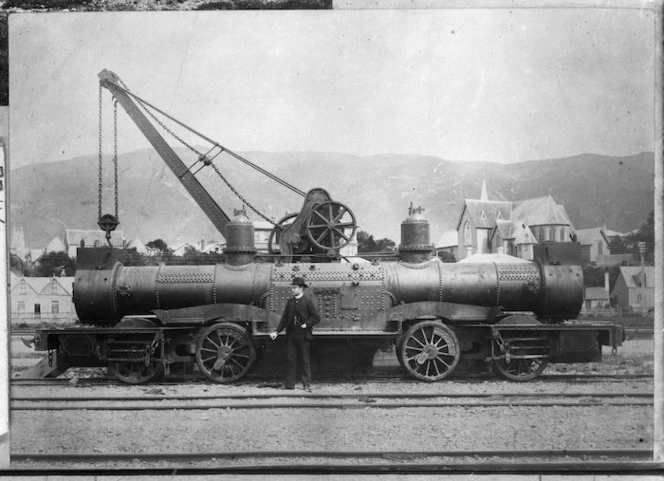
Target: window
(55,307)
(54,287)
(600,248)
(37,310)
(24,287)
(562,234)
(552,233)
(467,236)
(20,306)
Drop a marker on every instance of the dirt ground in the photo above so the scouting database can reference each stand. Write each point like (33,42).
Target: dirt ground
(364,429)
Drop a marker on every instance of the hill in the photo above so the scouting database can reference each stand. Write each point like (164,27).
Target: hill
(49,197)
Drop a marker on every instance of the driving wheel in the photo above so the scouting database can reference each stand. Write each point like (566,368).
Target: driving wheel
(429,351)
(224,352)
(520,369)
(134,360)
(331,225)
(139,365)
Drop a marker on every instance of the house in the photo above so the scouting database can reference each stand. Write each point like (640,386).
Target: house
(595,298)
(137,244)
(183,248)
(75,238)
(487,226)
(56,245)
(634,289)
(594,242)
(41,299)
(262,231)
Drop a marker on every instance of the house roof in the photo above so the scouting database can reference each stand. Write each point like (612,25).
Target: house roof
(485,213)
(505,229)
(524,235)
(632,276)
(540,211)
(38,284)
(518,231)
(596,293)
(591,235)
(73,237)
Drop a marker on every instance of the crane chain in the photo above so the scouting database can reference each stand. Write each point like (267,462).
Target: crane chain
(200,155)
(99,193)
(108,222)
(115,157)
(245,201)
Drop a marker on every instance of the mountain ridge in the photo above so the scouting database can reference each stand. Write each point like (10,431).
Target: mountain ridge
(595,189)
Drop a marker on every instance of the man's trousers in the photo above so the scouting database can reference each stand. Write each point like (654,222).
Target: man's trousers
(298,345)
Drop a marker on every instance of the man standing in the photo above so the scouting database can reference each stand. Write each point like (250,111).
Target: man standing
(300,315)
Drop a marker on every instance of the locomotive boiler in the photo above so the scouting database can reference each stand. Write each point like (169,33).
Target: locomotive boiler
(141,321)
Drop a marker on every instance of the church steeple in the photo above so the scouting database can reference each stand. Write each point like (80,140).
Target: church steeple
(484,195)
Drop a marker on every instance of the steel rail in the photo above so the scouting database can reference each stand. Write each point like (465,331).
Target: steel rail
(160,406)
(633,460)
(362,396)
(331,379)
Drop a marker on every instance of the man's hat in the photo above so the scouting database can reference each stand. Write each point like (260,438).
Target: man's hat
(298,281)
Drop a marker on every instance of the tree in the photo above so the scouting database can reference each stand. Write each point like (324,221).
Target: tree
(646,232)
(157,246)
(55,264)
(366,243)
(17,265)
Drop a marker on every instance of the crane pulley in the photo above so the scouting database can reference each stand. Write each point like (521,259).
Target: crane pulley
(322,226)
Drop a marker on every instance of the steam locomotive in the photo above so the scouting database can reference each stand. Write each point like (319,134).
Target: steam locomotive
(140,322)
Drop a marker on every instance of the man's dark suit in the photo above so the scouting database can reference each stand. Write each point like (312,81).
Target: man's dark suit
(297,312)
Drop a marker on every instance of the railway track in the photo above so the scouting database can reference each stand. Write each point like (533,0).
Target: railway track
(338,462)
(326,401)
(395,376)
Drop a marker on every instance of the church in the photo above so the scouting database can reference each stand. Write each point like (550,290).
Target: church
(513,228)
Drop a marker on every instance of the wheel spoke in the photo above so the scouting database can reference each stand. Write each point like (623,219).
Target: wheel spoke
(320,238)
(341,213)
(418,341)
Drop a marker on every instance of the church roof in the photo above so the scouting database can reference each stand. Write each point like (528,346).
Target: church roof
(485,213)
(540,211)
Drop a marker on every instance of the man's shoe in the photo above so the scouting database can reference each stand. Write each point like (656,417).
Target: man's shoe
(308,389)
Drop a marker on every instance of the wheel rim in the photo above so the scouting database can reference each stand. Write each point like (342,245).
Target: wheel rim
(521,369)
(331,225)
(429,351)
(224,352)
(521,363)
(136,372)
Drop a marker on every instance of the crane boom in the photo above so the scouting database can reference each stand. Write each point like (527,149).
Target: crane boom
(209,206)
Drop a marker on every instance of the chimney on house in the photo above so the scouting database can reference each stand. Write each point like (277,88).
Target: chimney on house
(606,282)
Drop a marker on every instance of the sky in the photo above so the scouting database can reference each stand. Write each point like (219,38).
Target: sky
(496,85)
